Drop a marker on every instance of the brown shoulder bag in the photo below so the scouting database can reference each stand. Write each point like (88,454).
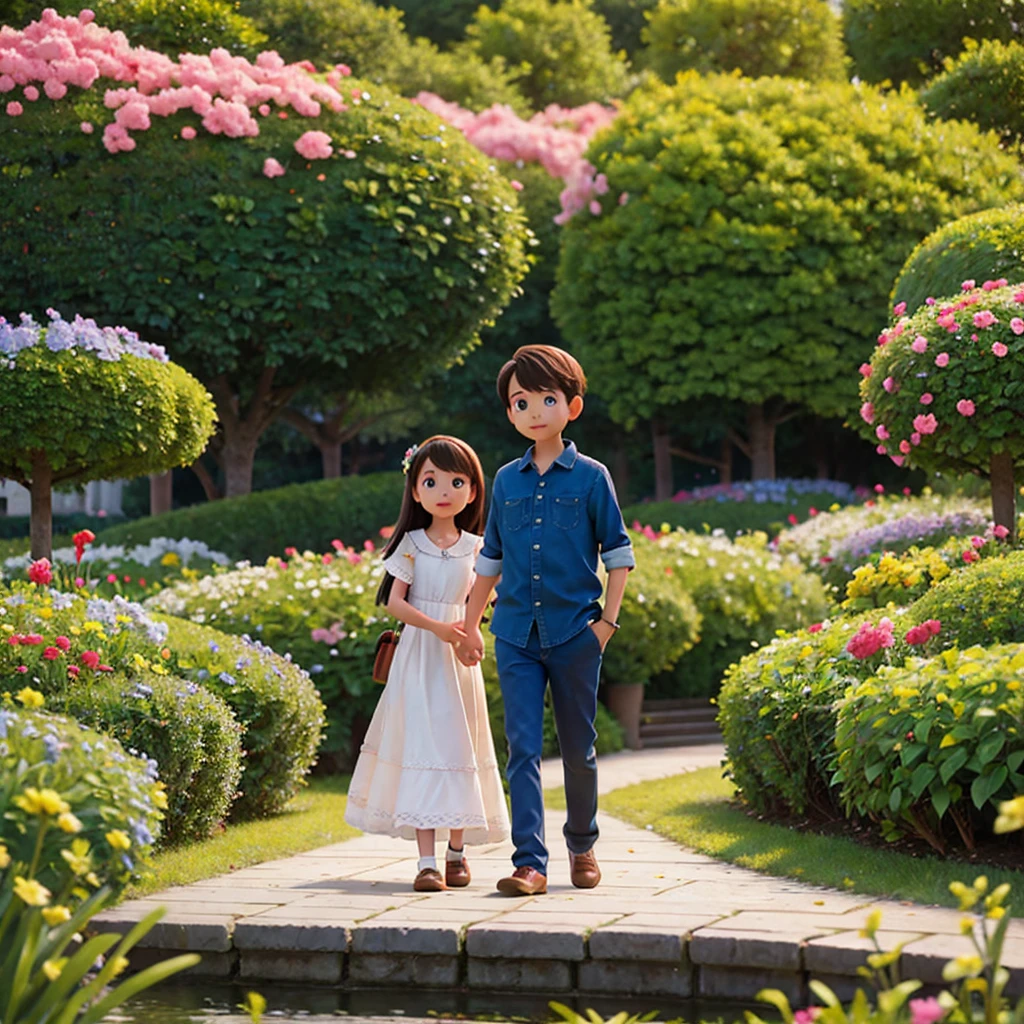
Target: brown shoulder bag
(387,642)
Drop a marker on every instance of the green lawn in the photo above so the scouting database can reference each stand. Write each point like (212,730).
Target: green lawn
(694,810)
(316,817)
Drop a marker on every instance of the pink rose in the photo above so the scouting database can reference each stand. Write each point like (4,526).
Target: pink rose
(188,132)
(999,349)
(927,398)
(1017,325)
(986,318)
(1018,296)
(926,1011)
(882,450)
(271,168)
(517,185)
(1000,531)
(594,207)
(41,572)
(899,309)
(897,459)
(867,413)
(87,128)
(925,424)
(14,109)
(869,640)
(890,385)
(31,93)
(977,542)
(948,320)
(905,447)
(919,344)
(965,407)
(942,359)
(623,198)
(314,145)
(865,370)
(264,109)
(970,556)
(967,285)
(881,432)
(915,438)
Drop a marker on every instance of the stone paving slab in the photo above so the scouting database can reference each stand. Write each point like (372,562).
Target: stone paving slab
(664,920)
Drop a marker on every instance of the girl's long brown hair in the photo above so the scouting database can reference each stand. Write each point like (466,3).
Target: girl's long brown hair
(453,456)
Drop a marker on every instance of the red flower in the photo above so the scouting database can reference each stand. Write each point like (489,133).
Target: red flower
(40,571)
(327,558)
(111,577)
(792,519)
(73,670)
(14,639)
(90,659)
(51,653)
(337,545)
(368,545)
(81,540)
(32,639)
(63,643)
(104,668)
(815,628)
(142,582)
(291,552)
(971,556)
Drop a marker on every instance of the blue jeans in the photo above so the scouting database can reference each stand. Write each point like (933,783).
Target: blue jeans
(572,668)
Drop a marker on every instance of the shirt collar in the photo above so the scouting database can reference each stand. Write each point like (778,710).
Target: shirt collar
(567,459)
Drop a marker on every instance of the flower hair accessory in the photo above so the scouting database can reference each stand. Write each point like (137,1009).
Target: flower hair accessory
(408,457)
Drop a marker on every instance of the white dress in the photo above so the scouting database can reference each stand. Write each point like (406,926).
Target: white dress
(428,757)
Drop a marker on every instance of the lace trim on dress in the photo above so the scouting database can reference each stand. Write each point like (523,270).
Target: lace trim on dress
(442,820)
(424,766)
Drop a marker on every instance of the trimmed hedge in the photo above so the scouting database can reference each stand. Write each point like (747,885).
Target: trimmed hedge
(18,526)
(190,734)
(253,526)
(274,702)
(105,788)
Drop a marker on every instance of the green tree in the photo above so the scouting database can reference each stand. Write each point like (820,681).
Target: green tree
(626,19)
(169,26)
(558,51)
(765,219)
(798,38)
(83,403)
(908,41)
(393,251)
(440,23)
(985,84)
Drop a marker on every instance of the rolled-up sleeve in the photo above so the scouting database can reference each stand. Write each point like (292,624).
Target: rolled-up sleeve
(488,562)
(610,530)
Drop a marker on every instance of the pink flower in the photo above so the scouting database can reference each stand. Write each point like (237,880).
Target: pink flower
(881,449)
(55,89)
(866,370)
(970,556)
(815,627)
(989,286)
(919,344)
(41,571)
(51,653)
(869,640)
(594,207)
(792,519)
(368,545)
(922,634)
(926,1011)
(264,109)
(271,168)
(31,93)
(967,285)
(32,639)
(890,385)
(63,643)
(915,438)
(87,128)
(1000,531)
(517,185)
(111,577)
(897,459)
(927,398)
(948,320)
(79,582)
(965,407)
(999,349)
(623,198)
(905,447)
(1017,325)
(867,413)
(929,301)
(879,488)
(15,109)
(90,659)
(344,69)
(188,132)
(314,145)
(73,670)
(21,668)
(986,318)
(291,552)
(337,545)
(978,542)
(925,424)
(942,359)
(1018,296)
(807,1016)
(881,432)
(899,309)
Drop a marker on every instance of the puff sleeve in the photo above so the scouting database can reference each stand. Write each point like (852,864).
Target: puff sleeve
(401,561)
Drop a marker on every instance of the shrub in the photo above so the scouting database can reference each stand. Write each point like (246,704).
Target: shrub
(985,84)
(190,734)
(934,742)
(932,371)
(253,526)
(274,702)
(778,719)
(109,793)
(982,246)
(794,38)
(908,41)
(745,594)
(12,527)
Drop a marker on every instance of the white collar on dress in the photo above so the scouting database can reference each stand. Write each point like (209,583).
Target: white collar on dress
(465,545)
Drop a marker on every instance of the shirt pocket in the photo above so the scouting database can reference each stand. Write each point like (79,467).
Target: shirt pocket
(515,513)
(567,511)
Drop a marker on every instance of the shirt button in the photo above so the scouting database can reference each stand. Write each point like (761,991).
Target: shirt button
(540,497)
(537,603)
(538,520)
(542,483)
(536,577)
(536,547)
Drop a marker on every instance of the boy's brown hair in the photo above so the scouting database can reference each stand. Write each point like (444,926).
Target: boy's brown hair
(542,368)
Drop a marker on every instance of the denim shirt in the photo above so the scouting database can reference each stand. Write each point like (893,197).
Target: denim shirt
(543,536)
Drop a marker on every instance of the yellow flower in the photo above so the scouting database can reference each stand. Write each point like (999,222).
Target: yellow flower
(170,559)
(871,925)
(139,661)
(118,840)
(966,925)
(44,613)
(962,967)
(1011,815)
(56,915)
(31,892)
(160,799)
(47,801)
(53,968)
(5,857)
(967,896)
(78,856)
(118,964)
(995,913)
(67,822)
(30,698)
(92,626)
(93,879)
(75,630)
(122,620)
(806,651)
(255,1005)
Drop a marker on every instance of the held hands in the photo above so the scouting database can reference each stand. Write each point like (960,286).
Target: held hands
(451,633)
(471,651)
(603,631)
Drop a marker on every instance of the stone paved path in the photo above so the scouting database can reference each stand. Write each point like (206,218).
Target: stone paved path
(664,921)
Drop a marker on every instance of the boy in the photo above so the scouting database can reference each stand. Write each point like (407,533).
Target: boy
(552,512)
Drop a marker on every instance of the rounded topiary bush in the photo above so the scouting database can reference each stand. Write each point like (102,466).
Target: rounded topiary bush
(190,734)
(933,747)
(252,526)
(274,702)
(942,392)
(982,247)
(113,798)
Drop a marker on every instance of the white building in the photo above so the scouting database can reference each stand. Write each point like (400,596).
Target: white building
(97,497)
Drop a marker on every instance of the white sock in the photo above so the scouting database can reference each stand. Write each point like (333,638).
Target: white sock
(427,862)
(453,856)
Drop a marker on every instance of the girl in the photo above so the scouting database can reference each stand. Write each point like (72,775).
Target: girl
(427,765)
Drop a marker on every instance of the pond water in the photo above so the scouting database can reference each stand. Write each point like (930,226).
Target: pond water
(204,1003)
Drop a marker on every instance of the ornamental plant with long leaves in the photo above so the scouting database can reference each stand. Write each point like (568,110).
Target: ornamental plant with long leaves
(942,391)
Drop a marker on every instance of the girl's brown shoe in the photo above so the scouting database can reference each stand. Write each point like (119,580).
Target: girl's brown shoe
(456,873)
(429,880)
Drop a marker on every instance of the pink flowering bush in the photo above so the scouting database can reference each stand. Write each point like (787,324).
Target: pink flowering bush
(966,354)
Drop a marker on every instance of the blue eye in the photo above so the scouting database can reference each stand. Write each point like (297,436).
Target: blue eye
(521,405)
(550,400)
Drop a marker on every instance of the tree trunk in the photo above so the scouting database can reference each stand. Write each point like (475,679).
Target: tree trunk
(210,488)
(761,436)
(330,456)
(239,455)
(662,442)
(725,466)
(161,492)
(1004,503)
(41,522)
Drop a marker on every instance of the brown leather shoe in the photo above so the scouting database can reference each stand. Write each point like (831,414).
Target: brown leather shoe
(523,882)
(429,880)
(585,872)
(456,873)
